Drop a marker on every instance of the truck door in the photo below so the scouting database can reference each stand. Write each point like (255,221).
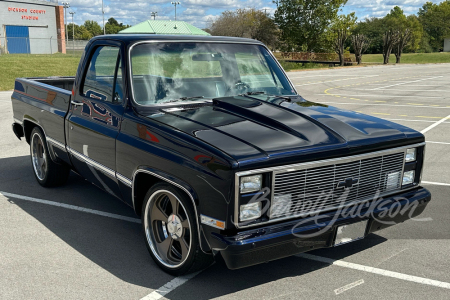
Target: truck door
(95,117)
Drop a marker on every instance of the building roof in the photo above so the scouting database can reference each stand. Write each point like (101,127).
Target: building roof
(165,27)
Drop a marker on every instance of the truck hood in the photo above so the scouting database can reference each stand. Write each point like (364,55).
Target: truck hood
(261,128)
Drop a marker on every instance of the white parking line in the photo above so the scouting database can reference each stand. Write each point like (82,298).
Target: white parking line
(383,87)
(401,276)
(381,95)
(168,287)
(72,207)
(399,105)
(326,81)
(436,183)
(435,124)
(424,121)
(332,76)
(395,90)
(348,286)
(428,142)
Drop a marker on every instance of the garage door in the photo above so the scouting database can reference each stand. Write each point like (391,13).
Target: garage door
(17,39)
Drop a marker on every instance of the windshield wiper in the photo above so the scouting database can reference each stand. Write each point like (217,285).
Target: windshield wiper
(184,99)
(264,93)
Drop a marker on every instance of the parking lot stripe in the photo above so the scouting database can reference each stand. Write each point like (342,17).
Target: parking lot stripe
(438,143)
(436,183)
(378,271)
(435,124)
(72,207)
(383,87)
(168,287)
(399,105)
(381,96)
(348,286)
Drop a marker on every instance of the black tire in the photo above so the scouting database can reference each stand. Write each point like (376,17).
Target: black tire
(49,174)
(158,200)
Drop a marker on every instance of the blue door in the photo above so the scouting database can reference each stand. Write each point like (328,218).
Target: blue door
(17,39)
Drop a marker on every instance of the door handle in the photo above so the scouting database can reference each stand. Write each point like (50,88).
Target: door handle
(76,103)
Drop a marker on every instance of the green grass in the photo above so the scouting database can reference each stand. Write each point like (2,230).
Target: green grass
(290,66)
(410,58)
(13,66)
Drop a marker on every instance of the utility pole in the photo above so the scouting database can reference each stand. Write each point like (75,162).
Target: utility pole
(103,14)
(66,5)
(153,14)
(175,4)
(73,32)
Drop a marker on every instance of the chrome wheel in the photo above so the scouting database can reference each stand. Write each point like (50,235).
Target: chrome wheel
(38,156)
(167,229)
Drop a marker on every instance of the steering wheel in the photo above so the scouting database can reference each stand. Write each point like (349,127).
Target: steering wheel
(239,86)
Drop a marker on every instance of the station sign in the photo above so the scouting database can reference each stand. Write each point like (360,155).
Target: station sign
(26,10)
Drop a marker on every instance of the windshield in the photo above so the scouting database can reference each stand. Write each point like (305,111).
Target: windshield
(164,72)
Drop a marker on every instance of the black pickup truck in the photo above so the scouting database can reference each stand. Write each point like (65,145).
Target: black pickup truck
(210,143)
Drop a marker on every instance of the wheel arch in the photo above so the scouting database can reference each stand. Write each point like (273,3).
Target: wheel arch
(28,126)
(144,178)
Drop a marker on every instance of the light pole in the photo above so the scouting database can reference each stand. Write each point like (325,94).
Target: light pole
(153,14)
(103,14)
(175,4)
(73,32)
(66,5)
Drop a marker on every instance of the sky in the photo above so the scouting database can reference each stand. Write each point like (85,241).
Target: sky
(200,12)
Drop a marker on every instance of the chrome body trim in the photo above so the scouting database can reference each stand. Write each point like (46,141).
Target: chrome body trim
(56,143)
(18,121)
(207,221)
(111,173)
(314,164)
(172,183)
(125,180)
(130,76)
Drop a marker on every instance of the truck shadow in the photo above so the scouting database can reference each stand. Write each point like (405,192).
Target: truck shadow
(118,247)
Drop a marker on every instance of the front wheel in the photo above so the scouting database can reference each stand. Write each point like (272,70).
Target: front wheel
(47,172)
(170,229)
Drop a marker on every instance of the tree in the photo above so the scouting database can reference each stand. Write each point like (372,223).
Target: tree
(360,44)
(249,23)
(373,29)
(113,27)
(340,31)
(390,38)
(93,27)
(403,39)
(435,19)
(304,23)
(81,33)
(417,34)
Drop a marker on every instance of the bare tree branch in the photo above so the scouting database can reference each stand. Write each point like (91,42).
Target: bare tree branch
(390,38)
(403,39)
(360,44)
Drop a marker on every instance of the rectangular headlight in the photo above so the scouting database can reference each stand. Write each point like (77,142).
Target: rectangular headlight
(410,155)
(408,177)
(250,211)
(250,184)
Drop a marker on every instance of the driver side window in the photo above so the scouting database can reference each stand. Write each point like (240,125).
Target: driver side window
(100,81)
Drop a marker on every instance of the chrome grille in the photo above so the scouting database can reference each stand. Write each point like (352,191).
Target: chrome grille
(311,190)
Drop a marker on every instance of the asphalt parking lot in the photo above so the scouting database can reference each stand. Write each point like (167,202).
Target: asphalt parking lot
(77,242)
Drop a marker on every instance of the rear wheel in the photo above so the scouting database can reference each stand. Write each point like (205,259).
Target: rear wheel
(170,229)
(47,172)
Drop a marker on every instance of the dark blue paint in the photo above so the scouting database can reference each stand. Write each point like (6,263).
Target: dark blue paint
(202,148)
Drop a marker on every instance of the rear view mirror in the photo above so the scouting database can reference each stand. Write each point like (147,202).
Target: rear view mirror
(207,57)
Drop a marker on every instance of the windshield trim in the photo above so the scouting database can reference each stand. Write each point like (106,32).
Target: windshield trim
(130,75)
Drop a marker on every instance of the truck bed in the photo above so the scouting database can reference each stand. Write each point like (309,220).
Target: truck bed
(43,101)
